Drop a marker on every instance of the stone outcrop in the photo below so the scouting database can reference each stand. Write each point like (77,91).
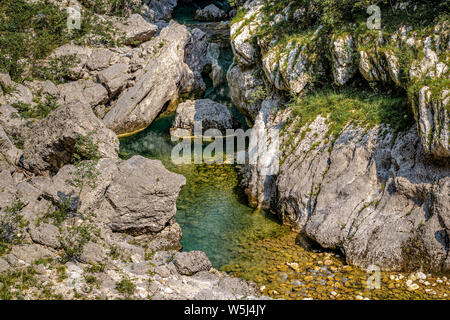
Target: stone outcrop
(137,30)
(207,113)
(52,143)
(210,13)
(380,197)
(190,263)
(140,105)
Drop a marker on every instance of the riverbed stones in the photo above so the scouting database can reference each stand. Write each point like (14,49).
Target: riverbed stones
(189,263)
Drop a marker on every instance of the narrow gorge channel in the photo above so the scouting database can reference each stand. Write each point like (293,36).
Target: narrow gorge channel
(214,215)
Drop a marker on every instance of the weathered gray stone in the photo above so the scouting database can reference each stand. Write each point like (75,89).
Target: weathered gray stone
(189,263)
(137,29)
(246,90)
(83,92)
(158,84)
(92,253)
(210,114)
(8,150)
(45,234)
(4,265)
(52,143)
(114,78)
(99,59)
(210,13)
(142,196)
(29,253)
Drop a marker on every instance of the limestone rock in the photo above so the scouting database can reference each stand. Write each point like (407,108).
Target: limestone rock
(247,90)
(92,253)
(142,196)
(245,51)
(114,78)
(433,121)
(137,29)
(46,235)
(8,150)
(210,114)
(158,84)
(343,56)
(52,143)
(210,13)
(29,253)
(189,263)
(84,92)
(99,59)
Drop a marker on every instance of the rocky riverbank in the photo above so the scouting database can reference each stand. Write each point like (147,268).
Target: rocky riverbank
(358,173)
(76,221)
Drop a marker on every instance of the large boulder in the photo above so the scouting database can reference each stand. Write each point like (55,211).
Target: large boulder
(83,92)
(210,114)
(246,90)
(8,150)
(433,120)
(210,13)
(52,143)
(189,263)
(114,78)
(157,86)
(372,194)
(137,30)
(142,196)
(244,48)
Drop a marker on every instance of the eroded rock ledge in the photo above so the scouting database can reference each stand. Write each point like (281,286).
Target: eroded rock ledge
(379,196)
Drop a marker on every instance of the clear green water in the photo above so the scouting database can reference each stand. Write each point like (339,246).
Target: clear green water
(211,208)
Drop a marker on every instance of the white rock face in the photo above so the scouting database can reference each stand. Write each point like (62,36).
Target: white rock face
(343,55)
(164,77)
(245,51)
(137,29)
